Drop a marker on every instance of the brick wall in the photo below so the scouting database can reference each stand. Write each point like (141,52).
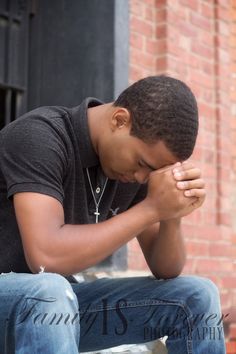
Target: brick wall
(195,40)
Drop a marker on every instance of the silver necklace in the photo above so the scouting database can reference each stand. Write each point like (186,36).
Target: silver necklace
(96,213)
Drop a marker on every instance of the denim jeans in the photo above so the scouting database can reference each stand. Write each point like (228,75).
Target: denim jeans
(44,313)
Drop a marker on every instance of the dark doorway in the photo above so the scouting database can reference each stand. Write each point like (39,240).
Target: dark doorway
(57,52)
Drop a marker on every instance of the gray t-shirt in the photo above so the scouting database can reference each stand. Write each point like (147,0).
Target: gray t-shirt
(47,151)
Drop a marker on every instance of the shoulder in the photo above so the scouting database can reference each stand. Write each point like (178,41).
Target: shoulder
(40,123)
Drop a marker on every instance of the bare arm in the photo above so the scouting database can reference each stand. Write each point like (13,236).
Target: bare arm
(163,248)
(162,243)
(67,249)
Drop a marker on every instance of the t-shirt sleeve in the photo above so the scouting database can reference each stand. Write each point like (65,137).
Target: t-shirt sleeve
(33,158)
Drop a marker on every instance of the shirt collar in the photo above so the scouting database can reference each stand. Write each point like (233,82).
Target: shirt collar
(88,155)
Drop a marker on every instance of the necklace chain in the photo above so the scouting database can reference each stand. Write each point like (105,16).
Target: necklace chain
(96,213)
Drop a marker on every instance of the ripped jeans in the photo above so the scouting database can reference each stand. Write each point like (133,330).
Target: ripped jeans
(44,313)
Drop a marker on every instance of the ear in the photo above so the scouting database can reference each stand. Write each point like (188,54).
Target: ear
(120,118)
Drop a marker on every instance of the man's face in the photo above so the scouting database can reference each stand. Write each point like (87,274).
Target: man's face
(128,159)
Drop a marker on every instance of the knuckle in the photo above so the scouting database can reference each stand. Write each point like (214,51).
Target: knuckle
(198,171)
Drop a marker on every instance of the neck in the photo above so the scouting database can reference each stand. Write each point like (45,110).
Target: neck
(97,120)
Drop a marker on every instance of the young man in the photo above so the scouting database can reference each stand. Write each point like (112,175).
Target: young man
(63,173)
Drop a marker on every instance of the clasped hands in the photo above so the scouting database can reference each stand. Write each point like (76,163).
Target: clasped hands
(177,189)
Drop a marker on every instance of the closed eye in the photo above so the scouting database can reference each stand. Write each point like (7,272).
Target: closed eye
(141,163)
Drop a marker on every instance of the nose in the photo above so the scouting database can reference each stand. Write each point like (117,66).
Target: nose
(141,176)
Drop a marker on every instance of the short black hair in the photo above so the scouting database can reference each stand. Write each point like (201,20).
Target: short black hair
(162,108)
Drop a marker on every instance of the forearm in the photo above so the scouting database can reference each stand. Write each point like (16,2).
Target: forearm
(76,247)
(168,252)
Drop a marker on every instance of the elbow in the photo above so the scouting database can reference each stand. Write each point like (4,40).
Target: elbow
(168,272)
(39,263)
(166,275)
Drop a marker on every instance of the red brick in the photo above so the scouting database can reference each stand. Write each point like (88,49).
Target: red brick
(161,16)
(223,173)
(223,56)
(211,233)
(225,189)
(234,238)
(224,218)
(222,71)
(222,42)
(232,332)
(208,112)
(149,14)
(207,10)
(220,250)
(161,63)
(189,231)
(223,3)
(190,35)
(196,248)
(223,13)
(136,73)
(152,3)
(207,38)
(142,27)
(161,31)
(229,282)
(195,217)
(191,61)
(175,50)
(233,14)
(208,96)
(156,47)
(201,50)
(202,79)
(225,298)
(192,4)
(231,347)
(186,29)
(223,29)
(137,8)
(189,266)
(197,153)
(137,41)
(161,3)
(201,22)
(144,59)
(173,18)
(213,265)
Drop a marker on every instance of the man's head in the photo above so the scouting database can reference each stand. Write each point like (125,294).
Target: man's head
(153,123)
(162,109)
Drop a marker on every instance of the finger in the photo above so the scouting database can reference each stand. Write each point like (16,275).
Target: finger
(199,193)
(194,173)
(194,184)
(167,168)
(185,165)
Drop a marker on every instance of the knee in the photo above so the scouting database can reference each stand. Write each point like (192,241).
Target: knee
(203,294)
(49,298)
(51,285)
(48,288)
(47,292)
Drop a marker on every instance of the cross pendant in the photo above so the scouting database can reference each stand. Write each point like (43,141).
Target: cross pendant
(97,214)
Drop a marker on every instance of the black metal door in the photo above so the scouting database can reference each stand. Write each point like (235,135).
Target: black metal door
(14,23)
(56,52)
